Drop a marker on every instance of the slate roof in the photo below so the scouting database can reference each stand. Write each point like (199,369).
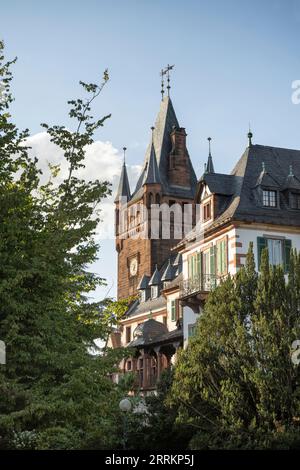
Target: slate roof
(147,333)
(165,121)
(175,282)
(237,198)
(151,172)
(155,278)
(144,282)
(168,273)
(277,161)
(154,332)
(123,188)
(210,166)
(159,303)
(219,183)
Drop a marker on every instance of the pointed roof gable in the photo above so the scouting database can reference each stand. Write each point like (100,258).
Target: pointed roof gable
(210,165)
(151,170)
(161,142)
(168,273)
(123,188)
(143,284)
(291,182)
(265,179)
(155,279)
(243,205)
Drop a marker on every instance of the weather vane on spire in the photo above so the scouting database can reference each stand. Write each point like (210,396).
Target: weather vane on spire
(165,71)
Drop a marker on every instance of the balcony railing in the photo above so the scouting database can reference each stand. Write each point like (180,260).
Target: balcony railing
(199,283)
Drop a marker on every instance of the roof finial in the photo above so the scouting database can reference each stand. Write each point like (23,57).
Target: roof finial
(162,84)
(263,166)
(166,71)
(250,135)
(291,171)
(209,149)
(124,150)
(205,168)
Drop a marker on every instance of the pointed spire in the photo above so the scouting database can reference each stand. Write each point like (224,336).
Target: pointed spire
(152,173)
(143,284)
(155,279)
(168,273)
(210,166)
(123,188)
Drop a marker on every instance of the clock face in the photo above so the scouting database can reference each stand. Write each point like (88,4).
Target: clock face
(133,267)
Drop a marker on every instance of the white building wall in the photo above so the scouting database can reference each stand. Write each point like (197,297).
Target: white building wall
(190,319)
(248,234)
(239,239)
(189,316)
(171,325)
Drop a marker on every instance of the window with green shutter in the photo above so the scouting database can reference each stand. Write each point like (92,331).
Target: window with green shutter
(213,260)
(194,265)
(278,249)
(287,255)
(222,257)
(261,244)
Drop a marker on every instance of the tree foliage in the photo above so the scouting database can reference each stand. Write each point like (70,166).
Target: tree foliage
(235,384)
(54,393)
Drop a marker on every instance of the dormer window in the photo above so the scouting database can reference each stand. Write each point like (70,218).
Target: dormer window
(206,211)
(143,295)
(154,292)
(269,198)
(295,201)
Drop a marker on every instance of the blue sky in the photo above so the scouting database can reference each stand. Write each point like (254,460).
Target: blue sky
(234,61)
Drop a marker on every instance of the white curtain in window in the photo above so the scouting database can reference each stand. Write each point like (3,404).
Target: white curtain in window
(275,251)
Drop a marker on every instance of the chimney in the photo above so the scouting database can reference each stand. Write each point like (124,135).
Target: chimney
(179,168)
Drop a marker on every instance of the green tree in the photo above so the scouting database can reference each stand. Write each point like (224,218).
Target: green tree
(235,383)
(54,393)
(157,428)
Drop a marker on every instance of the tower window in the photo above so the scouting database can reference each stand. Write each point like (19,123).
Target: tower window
(269,198)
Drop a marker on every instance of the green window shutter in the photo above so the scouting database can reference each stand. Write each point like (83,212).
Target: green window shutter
(225,255)
(261,244)
(222,246)
(219,258)
(287,255)
(194,265)
(213,260)
(189,267)
(199,263)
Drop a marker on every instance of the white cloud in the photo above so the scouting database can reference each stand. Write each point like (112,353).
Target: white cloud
(103,161)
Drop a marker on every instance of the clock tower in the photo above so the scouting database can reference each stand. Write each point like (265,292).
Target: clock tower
(167,177)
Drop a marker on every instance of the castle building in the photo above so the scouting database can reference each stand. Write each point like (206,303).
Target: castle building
(147,267)
(258,202)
